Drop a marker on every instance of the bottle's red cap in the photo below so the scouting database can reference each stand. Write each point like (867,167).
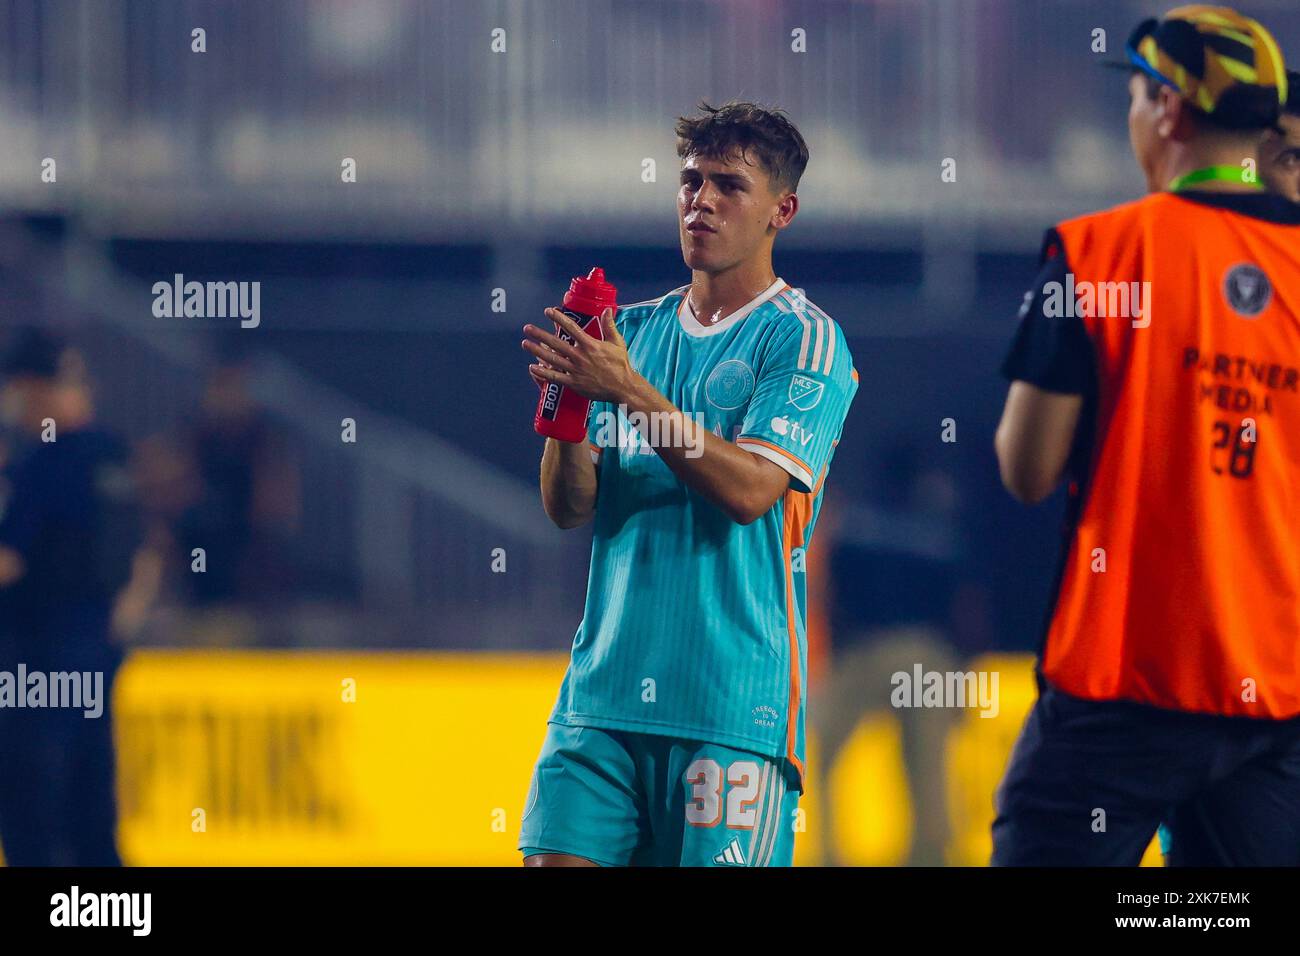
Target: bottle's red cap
(592,295)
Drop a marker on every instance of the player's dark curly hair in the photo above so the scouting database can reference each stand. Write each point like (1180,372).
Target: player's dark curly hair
(1292,107)
(752,129)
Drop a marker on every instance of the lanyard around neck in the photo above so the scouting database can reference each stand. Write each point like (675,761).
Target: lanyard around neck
(1218,174)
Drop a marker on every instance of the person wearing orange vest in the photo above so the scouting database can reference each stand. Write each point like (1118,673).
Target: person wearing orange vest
(1157,369)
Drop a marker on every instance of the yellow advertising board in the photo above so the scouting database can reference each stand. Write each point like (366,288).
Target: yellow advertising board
(317,758)
(363,758)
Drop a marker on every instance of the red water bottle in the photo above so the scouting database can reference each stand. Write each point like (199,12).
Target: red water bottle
(561,412)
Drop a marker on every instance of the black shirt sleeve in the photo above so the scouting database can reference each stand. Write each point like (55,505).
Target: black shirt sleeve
(1050,351)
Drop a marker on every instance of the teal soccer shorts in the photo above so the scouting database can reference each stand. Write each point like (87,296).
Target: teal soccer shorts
(631,799)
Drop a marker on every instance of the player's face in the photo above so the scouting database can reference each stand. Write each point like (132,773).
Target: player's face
(725,211)
(1144,115)
(1279,159)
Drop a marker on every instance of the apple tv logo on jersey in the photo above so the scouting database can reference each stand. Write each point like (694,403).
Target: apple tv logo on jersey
(786,428)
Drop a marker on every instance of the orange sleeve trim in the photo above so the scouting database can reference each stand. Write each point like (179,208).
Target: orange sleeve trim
(821,480)
(798,511)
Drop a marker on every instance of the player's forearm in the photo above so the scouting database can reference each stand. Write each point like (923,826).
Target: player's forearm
(568,483)
(722,472)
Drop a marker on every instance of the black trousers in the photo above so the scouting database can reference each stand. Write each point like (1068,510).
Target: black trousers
(1090,781)
(58,799)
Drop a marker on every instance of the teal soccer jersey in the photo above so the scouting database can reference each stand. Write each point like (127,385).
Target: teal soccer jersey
(695,625)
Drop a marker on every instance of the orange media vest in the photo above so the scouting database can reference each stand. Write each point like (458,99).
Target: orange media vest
(1180,585)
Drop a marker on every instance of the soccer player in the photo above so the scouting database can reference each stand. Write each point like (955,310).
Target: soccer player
(1279,155)
(678,735)
(1157,366)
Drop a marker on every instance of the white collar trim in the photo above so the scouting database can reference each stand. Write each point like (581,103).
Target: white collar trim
(691,325)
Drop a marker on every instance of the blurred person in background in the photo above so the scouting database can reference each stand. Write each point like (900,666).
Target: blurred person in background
(68,552)
(1168,680)
(242,493)
(1279,155)
(168,486)
(896,556)
(895,570)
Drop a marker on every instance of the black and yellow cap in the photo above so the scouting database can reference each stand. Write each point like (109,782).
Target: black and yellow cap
(1225,64)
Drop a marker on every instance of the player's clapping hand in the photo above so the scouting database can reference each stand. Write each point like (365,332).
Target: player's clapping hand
(598,370)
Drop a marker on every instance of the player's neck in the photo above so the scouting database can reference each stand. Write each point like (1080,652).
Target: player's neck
(714,296)
(1189,157)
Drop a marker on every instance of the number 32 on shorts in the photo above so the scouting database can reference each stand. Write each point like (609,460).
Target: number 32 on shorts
(705,804)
